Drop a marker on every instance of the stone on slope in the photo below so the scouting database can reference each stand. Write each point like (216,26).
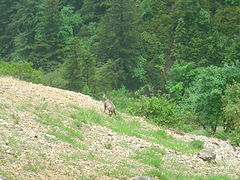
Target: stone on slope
(206,155)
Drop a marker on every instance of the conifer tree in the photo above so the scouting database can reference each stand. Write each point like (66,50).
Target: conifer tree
(6,11)
(93,10)
(119,40)
(79,67)
(158,40)
(23,24)
(47,52)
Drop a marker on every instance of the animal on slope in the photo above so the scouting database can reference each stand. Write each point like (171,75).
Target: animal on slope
(108,105)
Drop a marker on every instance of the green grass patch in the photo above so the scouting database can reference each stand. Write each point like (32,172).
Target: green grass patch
(48,119)
(41,107)
(164,174)
(2,115)
(12,142)
(92,157)
(120,172)
(74,157)
(15,118)
(108,146)
(34,166)
(197,144)
(150,156)
(62,136)
(132,128)
(86,116)
(21,108)
(71,135)
(201,132)
(4,175)
(218,178)
(15,150)
(123,144)
(3,106)
(27,105)
(168,141)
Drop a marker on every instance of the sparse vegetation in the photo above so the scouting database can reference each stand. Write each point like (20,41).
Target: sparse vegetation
(197,144)
(133,128)
(15,118)
(66,134)
(108,146)
(33,166)
(151,156)
(39,132)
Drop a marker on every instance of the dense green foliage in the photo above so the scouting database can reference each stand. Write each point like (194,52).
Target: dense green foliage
(231,111)
(23,71)
(160,109)
(187,49)
(204,96)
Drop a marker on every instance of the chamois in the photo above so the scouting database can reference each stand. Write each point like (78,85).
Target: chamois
(108,105)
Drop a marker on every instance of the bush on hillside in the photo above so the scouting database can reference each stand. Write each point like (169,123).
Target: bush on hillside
(197,144)
(231,107)
(204,96)
(121,98)
(162,110)
(56,79)
(234,137)
(23,71)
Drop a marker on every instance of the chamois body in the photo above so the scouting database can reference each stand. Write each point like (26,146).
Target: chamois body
(109,106)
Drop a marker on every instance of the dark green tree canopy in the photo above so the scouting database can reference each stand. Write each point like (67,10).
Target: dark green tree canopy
(119,39)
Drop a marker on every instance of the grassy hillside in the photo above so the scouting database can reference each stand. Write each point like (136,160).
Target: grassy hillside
(48,133)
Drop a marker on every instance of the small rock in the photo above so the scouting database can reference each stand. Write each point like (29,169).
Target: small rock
(206,155)
(50,136)
(216,143)
(110,134)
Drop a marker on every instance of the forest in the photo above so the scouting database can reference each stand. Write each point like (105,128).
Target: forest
(175,62)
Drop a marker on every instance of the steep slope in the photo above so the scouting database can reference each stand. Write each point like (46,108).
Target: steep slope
(49,133)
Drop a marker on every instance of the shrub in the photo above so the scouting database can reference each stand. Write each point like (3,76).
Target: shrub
(206,91)
(197,144)
(221,135)
(56,79)
(23,71)
(121,98)
(234,137)
(231,106)
(161,110)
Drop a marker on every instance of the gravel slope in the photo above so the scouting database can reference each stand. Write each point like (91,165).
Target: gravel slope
(27,151)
